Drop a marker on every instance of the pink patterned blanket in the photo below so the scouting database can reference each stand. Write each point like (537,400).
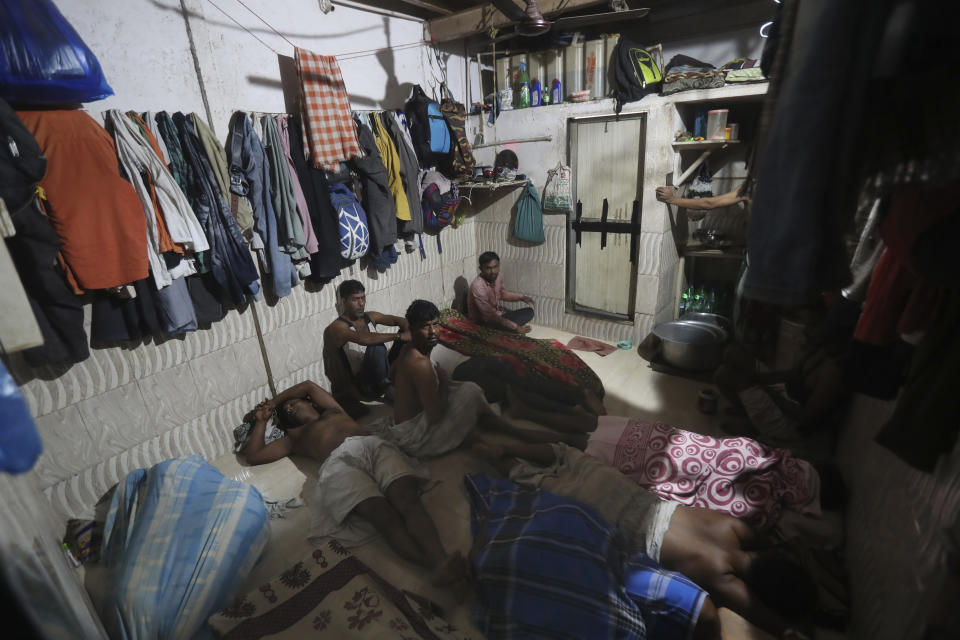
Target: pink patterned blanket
(738,476)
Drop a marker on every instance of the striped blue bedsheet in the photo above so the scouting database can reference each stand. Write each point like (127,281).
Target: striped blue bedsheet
(179,540)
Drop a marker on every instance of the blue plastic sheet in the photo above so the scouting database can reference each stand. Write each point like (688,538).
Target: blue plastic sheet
(20,444)
(43,60)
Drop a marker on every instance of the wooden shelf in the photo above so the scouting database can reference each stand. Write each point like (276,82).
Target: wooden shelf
(702,145)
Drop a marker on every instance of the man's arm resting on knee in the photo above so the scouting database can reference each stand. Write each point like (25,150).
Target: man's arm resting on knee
(338,334)
(488,311)
(391,321)
(256,451)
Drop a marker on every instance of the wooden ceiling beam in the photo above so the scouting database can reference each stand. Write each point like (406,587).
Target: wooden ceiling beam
(481,18)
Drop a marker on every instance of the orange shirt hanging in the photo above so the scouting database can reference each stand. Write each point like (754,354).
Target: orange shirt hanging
(95,212)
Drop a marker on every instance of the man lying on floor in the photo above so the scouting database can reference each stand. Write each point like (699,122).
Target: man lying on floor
(720,553)
(432,414)
(363,480)
(738,476)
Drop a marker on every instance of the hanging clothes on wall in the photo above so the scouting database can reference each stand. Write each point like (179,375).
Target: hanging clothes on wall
(125,315)
(391,160)
(899,300)
(310,237)
(104,233)
(150,177)
(162,199)
(290,234)
(229,259)
(163,233)
(326,110)
(58,311)
(250,176)
(217,156)
(149,120)
(325,263)
(800,208)
(377,199)
(34,247)
(177,163)
(410,168)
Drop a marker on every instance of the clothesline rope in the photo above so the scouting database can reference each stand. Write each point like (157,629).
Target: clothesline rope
(340,56)
(257,16)
(234,20)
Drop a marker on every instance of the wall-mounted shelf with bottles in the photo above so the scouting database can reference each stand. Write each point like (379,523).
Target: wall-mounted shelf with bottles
(705,268)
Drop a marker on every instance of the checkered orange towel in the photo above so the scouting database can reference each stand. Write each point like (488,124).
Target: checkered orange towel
(326,111)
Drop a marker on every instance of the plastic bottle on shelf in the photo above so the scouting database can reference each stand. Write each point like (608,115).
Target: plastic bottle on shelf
(536,93)
(524,87)
(697,300)
(684,302)
(711,301)
(556,92)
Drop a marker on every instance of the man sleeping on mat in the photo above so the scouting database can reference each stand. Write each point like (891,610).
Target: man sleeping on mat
(738,476)
(363,480)
(720,553)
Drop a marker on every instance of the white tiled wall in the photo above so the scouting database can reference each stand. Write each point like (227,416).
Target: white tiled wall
(140,403)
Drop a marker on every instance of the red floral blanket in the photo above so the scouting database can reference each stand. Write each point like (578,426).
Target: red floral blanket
(545,358)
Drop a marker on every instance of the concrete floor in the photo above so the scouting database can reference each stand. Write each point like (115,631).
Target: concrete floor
(633,389)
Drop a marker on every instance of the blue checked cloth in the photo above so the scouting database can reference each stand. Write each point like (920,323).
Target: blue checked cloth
(546,567)
(670,601)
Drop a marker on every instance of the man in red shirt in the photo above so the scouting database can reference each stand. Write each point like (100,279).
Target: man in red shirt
(487,292)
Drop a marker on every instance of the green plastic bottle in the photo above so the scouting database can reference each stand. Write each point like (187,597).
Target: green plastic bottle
(524,81)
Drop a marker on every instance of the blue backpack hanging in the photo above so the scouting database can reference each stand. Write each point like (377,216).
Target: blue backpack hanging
(354,232)
(528,225)
(42,58)
(428,129)
(438,212)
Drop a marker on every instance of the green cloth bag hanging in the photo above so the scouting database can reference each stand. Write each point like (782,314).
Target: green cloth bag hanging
(529,223)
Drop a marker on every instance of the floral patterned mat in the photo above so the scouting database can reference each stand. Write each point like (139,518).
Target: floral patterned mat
(332,594)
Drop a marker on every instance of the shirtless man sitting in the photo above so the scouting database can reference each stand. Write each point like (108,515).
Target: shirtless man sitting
(433,414)
(720,553)
(361,477)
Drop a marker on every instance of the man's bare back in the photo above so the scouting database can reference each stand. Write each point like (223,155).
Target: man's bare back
(411,365)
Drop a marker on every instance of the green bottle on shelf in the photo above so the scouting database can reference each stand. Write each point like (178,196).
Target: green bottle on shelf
(698,299)
(524,81)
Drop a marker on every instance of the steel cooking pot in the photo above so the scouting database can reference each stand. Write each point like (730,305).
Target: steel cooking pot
(709,318)
(691,345)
